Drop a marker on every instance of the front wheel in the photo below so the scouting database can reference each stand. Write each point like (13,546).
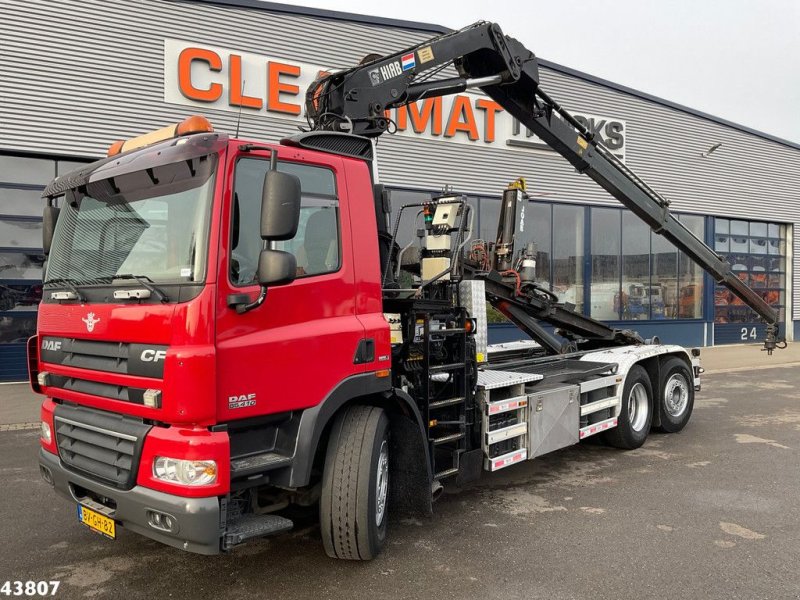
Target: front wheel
(355,484)
(675,398)
(636,411)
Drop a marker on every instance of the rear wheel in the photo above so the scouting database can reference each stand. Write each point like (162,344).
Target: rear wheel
(636,411)
(675,397)
(355,485)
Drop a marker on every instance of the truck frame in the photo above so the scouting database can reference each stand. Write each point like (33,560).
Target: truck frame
(230,327)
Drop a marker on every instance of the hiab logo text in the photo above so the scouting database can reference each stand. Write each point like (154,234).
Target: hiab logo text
(90,321)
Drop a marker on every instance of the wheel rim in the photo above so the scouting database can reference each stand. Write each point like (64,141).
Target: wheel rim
(638,407)
(382,484)
(676,395)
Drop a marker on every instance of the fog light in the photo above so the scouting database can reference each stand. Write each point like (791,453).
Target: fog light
(162,521)
(43,378)
(152,398)
(45,433)
(185,472)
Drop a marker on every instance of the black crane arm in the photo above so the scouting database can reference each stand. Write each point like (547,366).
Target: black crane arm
(356,100)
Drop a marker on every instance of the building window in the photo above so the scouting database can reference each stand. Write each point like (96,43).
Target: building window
(568,254)
(690,275)
(27,171)
(18,201)
(635,274)
(21,265)
(15,328)
(22,180)
(757,254)
(605,284)
(635,297)
(21,233)
(538,221)
(664,278)
(638,274)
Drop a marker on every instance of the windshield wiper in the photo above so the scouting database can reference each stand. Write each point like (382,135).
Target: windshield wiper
(143,281)
(68,283)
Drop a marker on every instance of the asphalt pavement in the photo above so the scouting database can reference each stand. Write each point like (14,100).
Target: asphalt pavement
(711,512)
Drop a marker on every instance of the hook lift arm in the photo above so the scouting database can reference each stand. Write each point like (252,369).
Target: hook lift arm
(356,100)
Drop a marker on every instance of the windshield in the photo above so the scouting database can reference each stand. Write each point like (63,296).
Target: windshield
(151,223)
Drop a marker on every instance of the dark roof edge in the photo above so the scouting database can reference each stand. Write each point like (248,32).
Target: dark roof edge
(433,28)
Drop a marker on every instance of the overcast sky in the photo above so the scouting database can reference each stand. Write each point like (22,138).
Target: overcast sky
(735,59)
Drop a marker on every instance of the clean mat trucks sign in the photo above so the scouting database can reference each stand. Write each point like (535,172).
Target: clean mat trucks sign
(208,77)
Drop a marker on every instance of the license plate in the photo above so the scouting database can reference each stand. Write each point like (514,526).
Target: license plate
(97,522)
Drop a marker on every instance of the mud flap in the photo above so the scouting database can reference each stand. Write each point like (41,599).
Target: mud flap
(409,468)
(470,467)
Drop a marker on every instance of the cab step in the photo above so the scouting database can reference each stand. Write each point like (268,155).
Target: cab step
(258,463)
(447,438)
(248,527)
(446,402)
(446,473)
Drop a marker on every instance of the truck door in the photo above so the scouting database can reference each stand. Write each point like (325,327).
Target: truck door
(290,352)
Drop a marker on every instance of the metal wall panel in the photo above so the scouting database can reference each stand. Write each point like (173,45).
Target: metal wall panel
(76,75)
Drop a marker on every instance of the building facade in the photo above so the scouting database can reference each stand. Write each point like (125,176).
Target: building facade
(77,75)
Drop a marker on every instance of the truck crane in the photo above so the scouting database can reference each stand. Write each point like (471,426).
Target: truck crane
(356,99)
(229,327)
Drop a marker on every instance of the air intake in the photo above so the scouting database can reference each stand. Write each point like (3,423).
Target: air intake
(333,142)
(103,446)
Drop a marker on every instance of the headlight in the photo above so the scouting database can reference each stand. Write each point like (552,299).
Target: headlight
(185,472)
(45,434)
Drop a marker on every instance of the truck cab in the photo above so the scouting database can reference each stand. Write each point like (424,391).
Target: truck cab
(158,372)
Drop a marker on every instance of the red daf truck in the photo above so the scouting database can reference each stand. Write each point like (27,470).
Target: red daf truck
(229,327)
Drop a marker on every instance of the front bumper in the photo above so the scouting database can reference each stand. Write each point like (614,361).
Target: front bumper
(197,519)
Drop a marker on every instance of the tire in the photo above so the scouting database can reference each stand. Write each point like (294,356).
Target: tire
(636,411)
(353,505)
(675,396)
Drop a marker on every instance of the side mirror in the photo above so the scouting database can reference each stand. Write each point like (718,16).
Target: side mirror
(49,218)
(280,216)
(280,206)
(276,267)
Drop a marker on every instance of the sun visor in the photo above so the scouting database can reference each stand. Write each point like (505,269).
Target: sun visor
(163,153)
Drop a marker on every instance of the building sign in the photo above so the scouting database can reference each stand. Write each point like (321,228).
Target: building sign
(208,77)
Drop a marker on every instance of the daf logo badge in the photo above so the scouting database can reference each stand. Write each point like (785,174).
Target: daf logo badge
(90,322)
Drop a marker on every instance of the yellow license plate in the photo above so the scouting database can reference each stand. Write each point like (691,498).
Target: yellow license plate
(97,522)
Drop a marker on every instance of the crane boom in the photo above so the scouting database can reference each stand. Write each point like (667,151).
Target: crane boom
(356,100)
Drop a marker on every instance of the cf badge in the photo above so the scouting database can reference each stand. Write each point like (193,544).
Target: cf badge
(153,355)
